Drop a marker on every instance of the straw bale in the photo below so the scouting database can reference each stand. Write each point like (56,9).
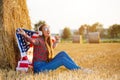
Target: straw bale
(93,37)
(13,14)
(77,39)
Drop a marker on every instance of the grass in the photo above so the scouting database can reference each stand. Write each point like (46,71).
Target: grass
(110,40)
(102,60)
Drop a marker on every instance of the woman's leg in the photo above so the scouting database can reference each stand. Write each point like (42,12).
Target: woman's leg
(64,54)
(57,62)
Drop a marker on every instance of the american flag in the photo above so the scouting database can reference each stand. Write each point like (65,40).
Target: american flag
(22,43)
(23,46)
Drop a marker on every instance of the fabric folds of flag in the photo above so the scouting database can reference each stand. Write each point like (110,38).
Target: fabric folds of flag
(23,46)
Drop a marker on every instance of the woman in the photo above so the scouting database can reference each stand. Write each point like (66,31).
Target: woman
(43,52)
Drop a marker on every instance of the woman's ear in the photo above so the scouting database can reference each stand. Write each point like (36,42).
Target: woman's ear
(40,33)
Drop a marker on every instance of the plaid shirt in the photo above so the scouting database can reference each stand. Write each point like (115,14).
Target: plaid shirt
(40,52)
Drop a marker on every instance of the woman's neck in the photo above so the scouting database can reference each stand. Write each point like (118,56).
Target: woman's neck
(46,38)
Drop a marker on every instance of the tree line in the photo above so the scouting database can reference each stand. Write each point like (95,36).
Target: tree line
(112,32)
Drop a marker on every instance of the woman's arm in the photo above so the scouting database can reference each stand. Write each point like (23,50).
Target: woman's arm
(28,38)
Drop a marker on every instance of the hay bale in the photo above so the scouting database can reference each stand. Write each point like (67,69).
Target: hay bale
(93,37)
(13,14)
(77,39)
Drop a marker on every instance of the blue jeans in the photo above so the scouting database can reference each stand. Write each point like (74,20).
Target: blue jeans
(60,59)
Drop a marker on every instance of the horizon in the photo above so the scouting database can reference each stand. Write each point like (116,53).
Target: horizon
(73,14)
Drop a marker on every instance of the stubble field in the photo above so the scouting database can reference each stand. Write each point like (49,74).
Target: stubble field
(99,62)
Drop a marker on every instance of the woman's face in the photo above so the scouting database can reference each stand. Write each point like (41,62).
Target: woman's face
(46,31)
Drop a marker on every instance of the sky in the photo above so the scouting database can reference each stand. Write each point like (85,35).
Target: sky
(74,13)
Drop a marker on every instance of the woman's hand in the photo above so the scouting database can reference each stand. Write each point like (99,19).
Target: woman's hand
(57,38)
(22,32)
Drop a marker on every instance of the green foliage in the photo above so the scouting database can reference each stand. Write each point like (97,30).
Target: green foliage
(38,24)
(110,41)
(104,33)
(82,29)
(85,29)
(114,31)
(93,28)
(76,32)
(66,33)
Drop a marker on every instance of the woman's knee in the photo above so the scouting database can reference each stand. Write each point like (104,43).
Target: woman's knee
(63,53)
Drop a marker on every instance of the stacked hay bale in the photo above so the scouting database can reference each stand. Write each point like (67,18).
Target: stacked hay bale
(77,39)
(13,14)
(93,37)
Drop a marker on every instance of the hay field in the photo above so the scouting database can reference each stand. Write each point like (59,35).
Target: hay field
(101,62)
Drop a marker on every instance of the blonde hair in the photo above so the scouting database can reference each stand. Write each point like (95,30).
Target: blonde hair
(49,46)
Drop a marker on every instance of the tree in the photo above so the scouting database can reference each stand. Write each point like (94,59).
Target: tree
(76,32)
(81,30)
(104,33)
(38,24)
(13,14)
(84,29)
(66,33)
(114,31)
(96,27)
